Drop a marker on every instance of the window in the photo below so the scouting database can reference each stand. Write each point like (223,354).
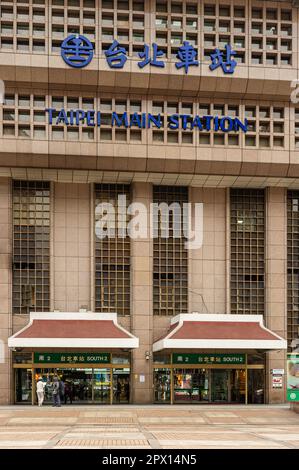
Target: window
(31,246)
(247,216)
(23,23)
(112,257)
(170,276)
(293,266)
(265,24)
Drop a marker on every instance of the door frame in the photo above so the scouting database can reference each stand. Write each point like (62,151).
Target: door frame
(172,367)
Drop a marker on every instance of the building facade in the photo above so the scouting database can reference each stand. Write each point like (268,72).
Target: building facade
(151,121)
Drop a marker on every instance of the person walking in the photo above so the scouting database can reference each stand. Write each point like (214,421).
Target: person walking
(127,390)
(61,390)
(68,392)
(118,390)
(40,391)
(55,392)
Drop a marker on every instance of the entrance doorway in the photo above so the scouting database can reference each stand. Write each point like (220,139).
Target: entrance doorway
(80,385)
(100,378)
(77,384)
(121,386)
(23,385)
(191,385)
(219,385)
(209,385)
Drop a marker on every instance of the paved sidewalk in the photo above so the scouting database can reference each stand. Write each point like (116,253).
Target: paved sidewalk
(156,427)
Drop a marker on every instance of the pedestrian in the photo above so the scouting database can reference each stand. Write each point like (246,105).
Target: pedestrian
(68,392)
(127,390)
(55,392)
(40,391)
(61,390)
(118,390)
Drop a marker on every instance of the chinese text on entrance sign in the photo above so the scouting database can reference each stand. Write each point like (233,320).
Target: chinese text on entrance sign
(71,358)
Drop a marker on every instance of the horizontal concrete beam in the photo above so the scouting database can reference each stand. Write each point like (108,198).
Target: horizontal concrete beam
(247,81)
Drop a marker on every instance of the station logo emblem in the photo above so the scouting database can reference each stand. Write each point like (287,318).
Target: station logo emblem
(77,51)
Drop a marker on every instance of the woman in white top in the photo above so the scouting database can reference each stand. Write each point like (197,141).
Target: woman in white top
(40,391)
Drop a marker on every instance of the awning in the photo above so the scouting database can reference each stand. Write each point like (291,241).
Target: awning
(73,330)
(218,331)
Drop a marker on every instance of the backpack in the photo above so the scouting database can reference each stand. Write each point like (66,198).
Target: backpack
(55,388)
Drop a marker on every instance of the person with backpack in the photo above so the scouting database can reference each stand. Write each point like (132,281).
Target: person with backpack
(55,392)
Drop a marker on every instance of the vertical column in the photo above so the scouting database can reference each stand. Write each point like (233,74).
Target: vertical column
(5,289)
(142,305)
(276,282)
(207,269)
(72,247)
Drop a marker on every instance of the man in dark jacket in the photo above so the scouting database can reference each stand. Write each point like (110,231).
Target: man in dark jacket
(56,392)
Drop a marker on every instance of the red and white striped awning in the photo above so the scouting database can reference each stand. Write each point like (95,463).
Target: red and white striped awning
(218,331)
(73,330)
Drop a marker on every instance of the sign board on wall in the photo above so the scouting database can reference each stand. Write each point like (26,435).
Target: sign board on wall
(277,381)
(72,358)
(188,122)
(219,359)
(293,377)
(277,371)
(77,51)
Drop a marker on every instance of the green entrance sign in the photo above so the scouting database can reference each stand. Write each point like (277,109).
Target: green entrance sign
(215,359)
(72,358)
(293,378)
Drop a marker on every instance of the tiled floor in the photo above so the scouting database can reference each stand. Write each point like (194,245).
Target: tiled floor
(156,427)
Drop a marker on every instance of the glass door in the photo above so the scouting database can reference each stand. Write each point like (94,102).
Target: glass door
(237,392)
(162,382)
(121,385)
(101,385)
(191,385)
(219,385)
(77,385)
(182,382)
(23,385)
(256,386)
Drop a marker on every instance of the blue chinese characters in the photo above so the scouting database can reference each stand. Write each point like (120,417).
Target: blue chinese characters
(187,55)
(225,62)
(116,56)
(77,51)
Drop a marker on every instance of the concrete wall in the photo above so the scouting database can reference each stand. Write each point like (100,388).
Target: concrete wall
(72,272)
(207,275)
(72,248)
(142,303)
(5,287)
(276,281)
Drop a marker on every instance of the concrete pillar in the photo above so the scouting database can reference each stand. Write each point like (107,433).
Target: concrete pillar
(5,289)
(207,269)
(276,282)
(72,248)
(141,303)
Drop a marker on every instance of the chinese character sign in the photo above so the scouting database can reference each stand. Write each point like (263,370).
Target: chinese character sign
(193,358)
(77,51)
(149,59)
(116,56)
(186,55)
(224,60)
(72,358)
